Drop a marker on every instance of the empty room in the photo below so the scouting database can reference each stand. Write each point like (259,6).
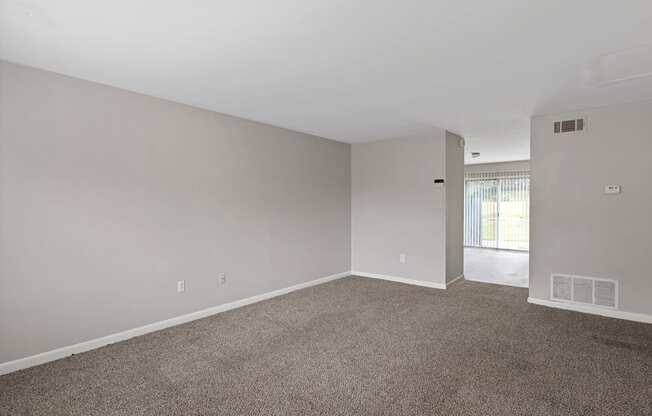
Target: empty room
(325,207)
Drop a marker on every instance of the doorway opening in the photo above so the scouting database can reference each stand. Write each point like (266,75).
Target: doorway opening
(497,226)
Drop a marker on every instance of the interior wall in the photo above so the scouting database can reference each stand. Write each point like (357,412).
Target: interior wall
(575,227)
(454,207)
(108,198)
(397,209)
(521,165)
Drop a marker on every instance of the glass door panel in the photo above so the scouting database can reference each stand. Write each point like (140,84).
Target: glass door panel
(514,205)
(481,213)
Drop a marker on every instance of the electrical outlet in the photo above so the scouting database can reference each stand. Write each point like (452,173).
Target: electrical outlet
(221,278)
(402,258)
(181,286)
(612,189)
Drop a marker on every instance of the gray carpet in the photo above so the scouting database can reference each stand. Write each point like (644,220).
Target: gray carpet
(359,346)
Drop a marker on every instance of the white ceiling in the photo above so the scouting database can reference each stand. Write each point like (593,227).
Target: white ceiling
(350,70)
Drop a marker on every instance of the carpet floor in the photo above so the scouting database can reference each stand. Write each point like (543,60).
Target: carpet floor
(359,346)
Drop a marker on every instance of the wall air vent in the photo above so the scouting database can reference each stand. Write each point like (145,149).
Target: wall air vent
(569,126)
(583,290)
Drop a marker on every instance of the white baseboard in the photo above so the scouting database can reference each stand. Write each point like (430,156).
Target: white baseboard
(610,313)
(21,363)
(400,280)
(460,277)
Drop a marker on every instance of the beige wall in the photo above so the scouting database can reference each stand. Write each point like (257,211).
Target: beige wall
(575,227)
(396,208)
(454,207)
(108,198)
(521,165)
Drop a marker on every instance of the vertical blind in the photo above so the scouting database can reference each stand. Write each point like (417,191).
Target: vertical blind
(497,210)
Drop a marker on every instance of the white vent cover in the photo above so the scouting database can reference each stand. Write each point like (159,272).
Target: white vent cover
(569,126)
(584,290)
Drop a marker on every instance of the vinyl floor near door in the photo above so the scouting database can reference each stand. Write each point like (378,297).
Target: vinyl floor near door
(497,266)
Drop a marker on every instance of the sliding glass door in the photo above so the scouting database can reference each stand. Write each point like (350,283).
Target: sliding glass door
(496,210)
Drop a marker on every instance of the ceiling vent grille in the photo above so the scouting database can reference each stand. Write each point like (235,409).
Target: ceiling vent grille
(584,290)
(569,126)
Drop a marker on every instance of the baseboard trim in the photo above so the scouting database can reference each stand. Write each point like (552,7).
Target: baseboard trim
(609,313)
(56,354)
(400,280)
(460,277)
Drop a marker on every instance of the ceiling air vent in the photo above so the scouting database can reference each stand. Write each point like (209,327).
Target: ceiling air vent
(569,126)
(584,290)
